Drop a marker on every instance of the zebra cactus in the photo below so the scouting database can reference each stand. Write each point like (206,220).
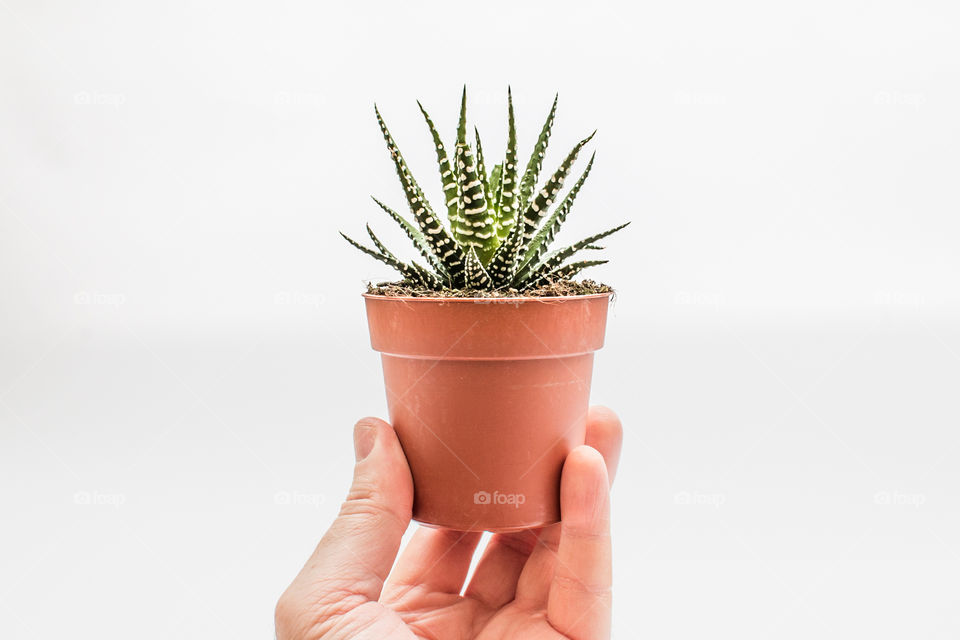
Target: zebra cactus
(499,228)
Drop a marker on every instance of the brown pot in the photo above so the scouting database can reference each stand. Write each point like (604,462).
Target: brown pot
(487,396)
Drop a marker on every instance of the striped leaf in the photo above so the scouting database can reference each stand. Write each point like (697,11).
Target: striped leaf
(441,243)
(447,177)
(538,245)
(408,272)
(418,239)
(477,277)
(544,198)
(555,259)
(428,279)
(509,195)
(493,191)
(481,167)
(532,172)
(474,228)
(503,266)
(565,272)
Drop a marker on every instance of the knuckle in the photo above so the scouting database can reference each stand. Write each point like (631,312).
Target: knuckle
(599,588)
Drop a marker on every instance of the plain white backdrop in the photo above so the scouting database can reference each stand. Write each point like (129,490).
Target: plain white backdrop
(183,350)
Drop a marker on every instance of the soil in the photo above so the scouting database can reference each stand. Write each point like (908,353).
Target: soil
(551,290)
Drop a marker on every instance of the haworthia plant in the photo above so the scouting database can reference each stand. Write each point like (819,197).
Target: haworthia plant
(497,237)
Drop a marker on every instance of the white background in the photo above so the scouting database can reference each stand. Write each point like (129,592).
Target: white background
(184,350)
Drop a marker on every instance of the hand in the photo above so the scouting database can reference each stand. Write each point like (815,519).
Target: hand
(552,583)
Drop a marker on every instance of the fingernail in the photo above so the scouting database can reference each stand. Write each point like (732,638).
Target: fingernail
(364,437)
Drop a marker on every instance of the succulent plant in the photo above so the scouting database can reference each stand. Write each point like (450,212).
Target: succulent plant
(499,230)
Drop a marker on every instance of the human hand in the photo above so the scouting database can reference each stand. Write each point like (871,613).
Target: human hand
(549,583)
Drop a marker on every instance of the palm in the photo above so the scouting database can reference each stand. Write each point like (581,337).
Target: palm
(460,619)
(507,597)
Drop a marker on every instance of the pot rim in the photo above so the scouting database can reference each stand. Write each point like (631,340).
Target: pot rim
(477,300)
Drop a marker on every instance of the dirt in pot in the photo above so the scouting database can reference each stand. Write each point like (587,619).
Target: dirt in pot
(550,290)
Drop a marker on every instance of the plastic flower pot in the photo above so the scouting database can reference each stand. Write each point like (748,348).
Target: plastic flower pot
(487,396)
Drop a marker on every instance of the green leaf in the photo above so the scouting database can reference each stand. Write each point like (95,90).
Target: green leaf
(441,243)
(555,259)
(544,198)
(532,171)
(538,245)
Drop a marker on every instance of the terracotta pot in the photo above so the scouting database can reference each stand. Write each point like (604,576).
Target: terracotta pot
(487,396)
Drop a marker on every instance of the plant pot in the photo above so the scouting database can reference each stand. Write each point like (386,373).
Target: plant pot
(487,396)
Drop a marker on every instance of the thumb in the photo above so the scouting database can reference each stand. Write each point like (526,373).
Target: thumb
(354,557)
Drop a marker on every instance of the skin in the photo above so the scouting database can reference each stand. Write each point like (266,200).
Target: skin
(544,584)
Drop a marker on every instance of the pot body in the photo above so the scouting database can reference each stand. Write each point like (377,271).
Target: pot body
(487,398)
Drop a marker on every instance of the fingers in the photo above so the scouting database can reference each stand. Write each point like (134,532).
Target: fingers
(522,563)
(578,604)
(436,559)
(354,557)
